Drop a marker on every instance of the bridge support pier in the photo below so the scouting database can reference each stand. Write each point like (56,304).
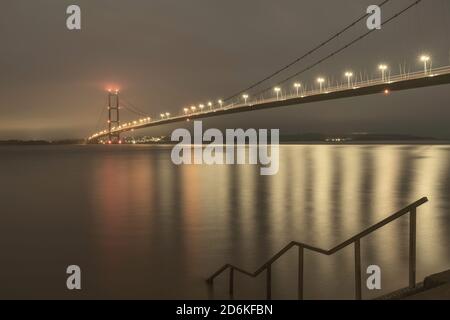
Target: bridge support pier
(113,117)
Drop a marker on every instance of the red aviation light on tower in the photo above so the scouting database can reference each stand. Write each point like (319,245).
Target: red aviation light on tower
(112,88)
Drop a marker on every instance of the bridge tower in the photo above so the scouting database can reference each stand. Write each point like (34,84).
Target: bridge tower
(113,116)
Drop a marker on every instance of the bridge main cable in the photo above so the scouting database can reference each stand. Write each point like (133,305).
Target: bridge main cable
(324,43)
(342,48)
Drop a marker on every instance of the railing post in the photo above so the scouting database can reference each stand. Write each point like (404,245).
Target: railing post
(412,248)
(269,283)
(300,272)
(231,283)
(358,295)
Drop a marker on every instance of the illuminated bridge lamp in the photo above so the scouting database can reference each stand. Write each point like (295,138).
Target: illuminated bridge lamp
(349,75)
(167,114)
(201,107)
(297,87)
(383,68)
(245,96)
(220,102)
(186,110)
(162,115)
(320,81)
(277,90)
(210,105)
(425,59)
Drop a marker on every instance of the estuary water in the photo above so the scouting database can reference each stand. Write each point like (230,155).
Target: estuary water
(140,227)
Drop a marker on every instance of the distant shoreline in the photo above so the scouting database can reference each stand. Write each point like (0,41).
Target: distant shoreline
(41,142)
(374,142)
(300,142)
(286,139)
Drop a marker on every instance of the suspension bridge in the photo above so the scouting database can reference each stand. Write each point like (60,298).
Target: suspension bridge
(288,92)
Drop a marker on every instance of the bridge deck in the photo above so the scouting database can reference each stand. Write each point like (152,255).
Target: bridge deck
(418,80)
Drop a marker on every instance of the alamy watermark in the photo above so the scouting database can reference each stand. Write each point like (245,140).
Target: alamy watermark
(374,280)
(73,21)
(235,147)
(374,20)
(73,281)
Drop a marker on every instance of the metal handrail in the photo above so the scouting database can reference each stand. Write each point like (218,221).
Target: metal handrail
(356,240)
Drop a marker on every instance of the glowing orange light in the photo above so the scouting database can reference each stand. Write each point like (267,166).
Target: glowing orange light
(109,142)
(386,91)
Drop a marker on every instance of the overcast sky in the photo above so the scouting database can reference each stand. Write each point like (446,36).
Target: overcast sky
(167,54)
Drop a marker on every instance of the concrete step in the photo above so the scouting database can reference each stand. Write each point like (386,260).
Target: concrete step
(435,287)
(441,292)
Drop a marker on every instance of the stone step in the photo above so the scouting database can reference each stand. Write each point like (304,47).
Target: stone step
(435,287)
(439,293)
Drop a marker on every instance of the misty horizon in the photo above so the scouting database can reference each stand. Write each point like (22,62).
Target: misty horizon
(165,55)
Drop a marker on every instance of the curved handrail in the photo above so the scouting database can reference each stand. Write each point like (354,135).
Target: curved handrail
(355,239)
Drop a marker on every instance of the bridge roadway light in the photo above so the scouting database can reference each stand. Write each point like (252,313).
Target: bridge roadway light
(383,68)
(167,114)
(297,87)
(186,110)
(210,105)
(245,96)
(320,81)
(425,59)
(201,107)
(162,115)
(349,75)
(193,108)
(277,90)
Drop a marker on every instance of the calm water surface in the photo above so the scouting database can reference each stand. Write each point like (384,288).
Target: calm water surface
(141,227)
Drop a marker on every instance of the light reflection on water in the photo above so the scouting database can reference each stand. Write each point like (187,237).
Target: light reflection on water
(141,227)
